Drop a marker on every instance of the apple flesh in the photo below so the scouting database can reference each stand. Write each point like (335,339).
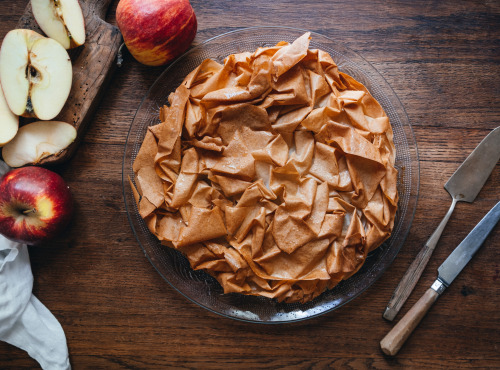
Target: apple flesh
(36,141)
(61,20)
(156,32)
(35,73)
(9,122)
(35,205)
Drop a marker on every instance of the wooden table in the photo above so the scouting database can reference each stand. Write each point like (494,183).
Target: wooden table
(443,61)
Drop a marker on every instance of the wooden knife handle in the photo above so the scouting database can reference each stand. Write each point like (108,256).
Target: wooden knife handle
(412,275)
(407,283)
(393,341)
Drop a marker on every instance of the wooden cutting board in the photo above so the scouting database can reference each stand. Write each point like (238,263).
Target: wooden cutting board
(93,66)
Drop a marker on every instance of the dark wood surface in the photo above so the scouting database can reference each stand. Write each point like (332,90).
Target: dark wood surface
(442,58)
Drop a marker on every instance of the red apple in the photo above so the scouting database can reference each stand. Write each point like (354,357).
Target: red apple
(155,31)
(35,205)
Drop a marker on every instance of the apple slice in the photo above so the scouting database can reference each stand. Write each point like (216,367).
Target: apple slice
(36,141)
(61,20)
(36,74)
(9,122)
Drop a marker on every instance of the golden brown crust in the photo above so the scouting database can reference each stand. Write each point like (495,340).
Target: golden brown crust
(274,172)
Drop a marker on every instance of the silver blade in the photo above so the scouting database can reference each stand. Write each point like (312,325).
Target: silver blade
(470,177)
(462,254)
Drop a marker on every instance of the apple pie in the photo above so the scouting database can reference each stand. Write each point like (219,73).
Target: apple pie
(273,172)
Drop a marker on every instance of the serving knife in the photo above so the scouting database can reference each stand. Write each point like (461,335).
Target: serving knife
(463,185)
(447,272)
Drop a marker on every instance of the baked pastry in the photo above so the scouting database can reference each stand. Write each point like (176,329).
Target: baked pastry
(274,172)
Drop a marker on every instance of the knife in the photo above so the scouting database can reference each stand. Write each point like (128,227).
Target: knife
(463,185)
(447,272)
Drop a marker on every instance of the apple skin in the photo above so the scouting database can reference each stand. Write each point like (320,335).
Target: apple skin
(156,32)
(35,205)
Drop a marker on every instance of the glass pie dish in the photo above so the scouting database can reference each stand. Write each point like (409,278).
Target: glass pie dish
(199,286)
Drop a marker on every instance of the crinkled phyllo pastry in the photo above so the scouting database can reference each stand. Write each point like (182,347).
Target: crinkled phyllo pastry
(273,172)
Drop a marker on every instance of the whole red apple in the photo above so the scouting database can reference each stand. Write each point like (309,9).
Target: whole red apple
(35,205)
(156,31)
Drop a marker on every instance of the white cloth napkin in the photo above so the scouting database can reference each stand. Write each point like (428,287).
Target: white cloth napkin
(24,321)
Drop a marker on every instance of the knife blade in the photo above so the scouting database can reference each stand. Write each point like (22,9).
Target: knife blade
(447,272)
(462,254)
(463,185)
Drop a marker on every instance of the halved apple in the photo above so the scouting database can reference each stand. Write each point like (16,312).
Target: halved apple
(36,74)
(61,20)
(9,122)
(36,141)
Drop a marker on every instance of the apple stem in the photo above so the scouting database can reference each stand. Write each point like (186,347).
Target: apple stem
(29,211)
(119,56)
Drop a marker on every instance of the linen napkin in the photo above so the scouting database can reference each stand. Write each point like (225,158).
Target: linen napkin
(24,321)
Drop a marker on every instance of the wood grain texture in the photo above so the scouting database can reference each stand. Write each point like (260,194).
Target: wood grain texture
(93,65)
(442,59)
(408,282)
